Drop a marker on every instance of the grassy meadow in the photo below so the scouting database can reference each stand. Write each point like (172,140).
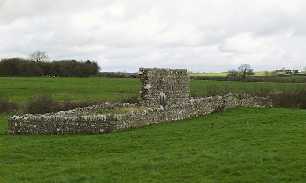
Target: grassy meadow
(21,89)
(238,145)
(223,74)
(210,87)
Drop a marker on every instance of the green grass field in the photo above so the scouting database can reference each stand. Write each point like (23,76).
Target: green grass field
(210,74)
(105,89)
(240,145)
(209,87)
(223,74)
(20,89)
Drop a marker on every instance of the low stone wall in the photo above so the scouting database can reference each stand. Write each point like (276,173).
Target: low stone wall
(165,96)
(88,120)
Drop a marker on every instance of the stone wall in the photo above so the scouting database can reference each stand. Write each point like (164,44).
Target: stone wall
(165,97)
(85,120)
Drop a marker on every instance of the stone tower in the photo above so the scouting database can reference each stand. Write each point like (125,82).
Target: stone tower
(164,88)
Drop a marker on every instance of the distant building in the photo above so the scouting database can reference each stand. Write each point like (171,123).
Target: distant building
(286,72)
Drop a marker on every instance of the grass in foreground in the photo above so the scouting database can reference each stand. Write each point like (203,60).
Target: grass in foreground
(240,145)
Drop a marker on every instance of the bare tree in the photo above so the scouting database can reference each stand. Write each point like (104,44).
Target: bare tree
(233,74)
(245,70)
(39,56)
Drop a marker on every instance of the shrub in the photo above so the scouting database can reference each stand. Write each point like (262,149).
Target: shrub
(7,106)
(118,75)
(39,104)
(45,104)
(293,99)
(68,105)
(131,100)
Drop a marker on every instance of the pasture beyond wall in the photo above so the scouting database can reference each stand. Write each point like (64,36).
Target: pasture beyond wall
(164,97)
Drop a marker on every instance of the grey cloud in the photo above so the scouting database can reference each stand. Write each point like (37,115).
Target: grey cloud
(122,35)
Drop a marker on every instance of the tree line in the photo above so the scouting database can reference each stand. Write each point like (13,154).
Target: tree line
(37,66)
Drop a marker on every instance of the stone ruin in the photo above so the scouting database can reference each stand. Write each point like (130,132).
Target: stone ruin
(164,88)
(165,96)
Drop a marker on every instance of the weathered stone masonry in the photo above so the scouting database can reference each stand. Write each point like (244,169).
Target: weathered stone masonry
(165,96)
(172,84)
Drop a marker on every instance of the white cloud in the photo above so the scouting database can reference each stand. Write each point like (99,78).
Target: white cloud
(201,35)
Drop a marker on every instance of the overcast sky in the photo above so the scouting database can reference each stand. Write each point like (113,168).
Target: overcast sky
(122,35)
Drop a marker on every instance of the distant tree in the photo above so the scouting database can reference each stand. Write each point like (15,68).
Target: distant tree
(39,56)
(267,73)
(245,70)
(233,74)
(66,68)
(19,67)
